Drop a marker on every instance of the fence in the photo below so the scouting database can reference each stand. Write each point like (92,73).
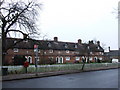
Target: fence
(63,67)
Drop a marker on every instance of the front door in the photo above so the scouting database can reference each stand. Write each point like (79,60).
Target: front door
(59,59)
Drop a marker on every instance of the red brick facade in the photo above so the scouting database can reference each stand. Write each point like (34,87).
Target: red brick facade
(64,54)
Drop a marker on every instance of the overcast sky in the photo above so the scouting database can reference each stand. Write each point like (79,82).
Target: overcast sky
(71,20)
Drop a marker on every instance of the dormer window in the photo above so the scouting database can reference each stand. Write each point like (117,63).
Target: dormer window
(98,47)
(66,46)
(25,40)
(76,46)
(88,47)
(15,49)
(15,41)
(49,44)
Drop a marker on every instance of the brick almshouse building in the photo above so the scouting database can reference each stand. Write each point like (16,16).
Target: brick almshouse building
(54,50)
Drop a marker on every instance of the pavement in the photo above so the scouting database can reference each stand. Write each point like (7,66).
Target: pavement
(35,75)
(44,74)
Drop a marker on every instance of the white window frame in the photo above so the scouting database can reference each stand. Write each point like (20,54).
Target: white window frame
(38,58)
(50,51)
(30,59)
(98,47)
(45,52)
(15,50)
(49,45)
(58,59)
(67,51)
(66,45)
(77,58)
(15,41)
(76,46)
(100,58)
(25,40)
(50,58)
(67,58)
(90,58)
(95,58)
(91,52)
(59,52)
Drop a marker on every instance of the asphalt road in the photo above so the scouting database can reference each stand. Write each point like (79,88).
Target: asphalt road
(94,79)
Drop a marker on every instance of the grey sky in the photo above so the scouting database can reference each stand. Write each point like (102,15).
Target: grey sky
(71,20)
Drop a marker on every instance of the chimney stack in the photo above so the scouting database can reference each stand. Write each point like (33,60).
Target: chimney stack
(109,48)
(79,41)
(98,42)
(55,39)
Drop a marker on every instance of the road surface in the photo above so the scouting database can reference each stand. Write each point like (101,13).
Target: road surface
(93,79)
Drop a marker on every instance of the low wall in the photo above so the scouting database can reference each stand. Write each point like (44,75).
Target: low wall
(63,67)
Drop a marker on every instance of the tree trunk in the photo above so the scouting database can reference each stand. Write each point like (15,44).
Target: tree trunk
(3,47)
(83,66)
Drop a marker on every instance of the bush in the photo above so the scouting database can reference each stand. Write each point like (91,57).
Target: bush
(19,60)
(76,62)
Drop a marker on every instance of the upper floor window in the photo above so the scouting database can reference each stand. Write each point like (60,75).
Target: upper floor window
(50,51)
(50,58)
(44,52)
(67,51)
(15,49)
(76,52)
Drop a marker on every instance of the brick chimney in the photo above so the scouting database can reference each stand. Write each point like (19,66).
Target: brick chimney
(98,42)
(79,41)
(55,39)
(109,48)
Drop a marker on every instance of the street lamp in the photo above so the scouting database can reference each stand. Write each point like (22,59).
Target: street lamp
(36,56)
(88,51)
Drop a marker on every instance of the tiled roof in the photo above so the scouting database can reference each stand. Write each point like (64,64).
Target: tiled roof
(113,53)
(54,45)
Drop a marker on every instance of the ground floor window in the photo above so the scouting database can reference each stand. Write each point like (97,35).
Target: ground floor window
(100,58)
(67,58)
(90,58)
(77,58)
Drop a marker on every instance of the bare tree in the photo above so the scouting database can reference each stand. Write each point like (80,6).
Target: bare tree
(18,16)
